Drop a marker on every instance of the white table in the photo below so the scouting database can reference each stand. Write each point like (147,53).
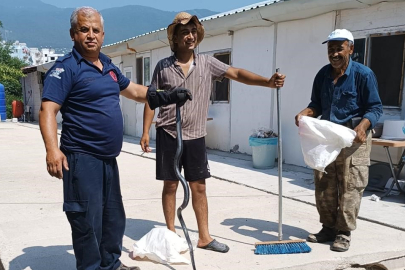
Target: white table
(386,144)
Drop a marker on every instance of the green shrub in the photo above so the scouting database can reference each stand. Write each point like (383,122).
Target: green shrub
(10,75)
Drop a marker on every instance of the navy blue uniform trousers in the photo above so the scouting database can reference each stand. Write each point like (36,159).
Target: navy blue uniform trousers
(94,208)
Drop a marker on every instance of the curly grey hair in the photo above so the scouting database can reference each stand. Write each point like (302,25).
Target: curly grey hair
(87,12)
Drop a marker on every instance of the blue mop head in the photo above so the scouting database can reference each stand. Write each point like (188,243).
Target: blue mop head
(282,247)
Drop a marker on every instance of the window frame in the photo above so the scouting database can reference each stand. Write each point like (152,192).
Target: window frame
(139,80)
(214,83)
(367,61)
(143,71)
(130,70)
(213,53)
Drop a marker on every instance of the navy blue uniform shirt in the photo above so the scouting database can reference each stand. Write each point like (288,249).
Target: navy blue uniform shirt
(92,119)
(354,95)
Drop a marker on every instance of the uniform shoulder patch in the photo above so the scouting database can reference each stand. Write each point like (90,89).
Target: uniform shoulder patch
(113,76)
(56,73)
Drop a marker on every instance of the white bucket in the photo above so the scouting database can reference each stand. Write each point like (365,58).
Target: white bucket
(264,156)
(15,120)
(393,130)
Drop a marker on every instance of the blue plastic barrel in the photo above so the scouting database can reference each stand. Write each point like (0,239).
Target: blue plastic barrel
(3,114)
(264,152)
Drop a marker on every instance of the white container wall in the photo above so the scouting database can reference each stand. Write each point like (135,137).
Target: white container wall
(251,106)
(300,55)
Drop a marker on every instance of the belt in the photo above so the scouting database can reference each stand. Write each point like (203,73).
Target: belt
(352,123)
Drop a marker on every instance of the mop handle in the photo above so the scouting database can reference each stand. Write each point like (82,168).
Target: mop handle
(183,182)
(280,167)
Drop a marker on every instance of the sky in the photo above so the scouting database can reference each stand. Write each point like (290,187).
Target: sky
(166,5)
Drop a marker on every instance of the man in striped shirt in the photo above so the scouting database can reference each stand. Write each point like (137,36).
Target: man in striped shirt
(195,72)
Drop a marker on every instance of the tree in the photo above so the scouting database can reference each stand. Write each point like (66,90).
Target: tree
(10,74)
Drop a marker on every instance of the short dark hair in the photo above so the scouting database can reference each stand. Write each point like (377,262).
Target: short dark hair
(177,27)
(176,30)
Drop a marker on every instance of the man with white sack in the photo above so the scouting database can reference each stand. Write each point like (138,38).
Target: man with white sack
(346,93)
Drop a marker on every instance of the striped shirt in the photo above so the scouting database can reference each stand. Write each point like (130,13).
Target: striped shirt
(168,75)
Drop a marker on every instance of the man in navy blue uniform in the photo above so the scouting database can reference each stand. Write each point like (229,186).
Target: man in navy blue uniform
(85,86)
(346,93)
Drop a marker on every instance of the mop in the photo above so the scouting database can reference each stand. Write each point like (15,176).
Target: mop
(281,246)
(183,182)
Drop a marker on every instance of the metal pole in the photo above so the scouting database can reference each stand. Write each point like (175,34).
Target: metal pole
(280,167)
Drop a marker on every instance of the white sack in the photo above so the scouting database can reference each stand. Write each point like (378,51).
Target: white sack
(322,141)
(161,245)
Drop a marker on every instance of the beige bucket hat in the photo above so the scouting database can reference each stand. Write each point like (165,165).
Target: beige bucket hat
(184,18)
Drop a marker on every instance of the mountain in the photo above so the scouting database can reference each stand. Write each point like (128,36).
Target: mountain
(44,25)
(129,21)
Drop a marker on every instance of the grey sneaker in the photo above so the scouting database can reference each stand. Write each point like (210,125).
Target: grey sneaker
(124,267)
(341,244)
(216,246)
(324,235)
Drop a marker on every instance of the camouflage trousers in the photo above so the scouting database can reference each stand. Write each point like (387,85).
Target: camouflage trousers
(338,192)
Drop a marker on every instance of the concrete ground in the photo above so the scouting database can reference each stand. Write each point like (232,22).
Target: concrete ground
(34,232)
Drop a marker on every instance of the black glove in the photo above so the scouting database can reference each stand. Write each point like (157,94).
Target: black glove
(157,98)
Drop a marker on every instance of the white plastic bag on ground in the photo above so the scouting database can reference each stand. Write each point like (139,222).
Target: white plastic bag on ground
(161,245)
(322,141)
